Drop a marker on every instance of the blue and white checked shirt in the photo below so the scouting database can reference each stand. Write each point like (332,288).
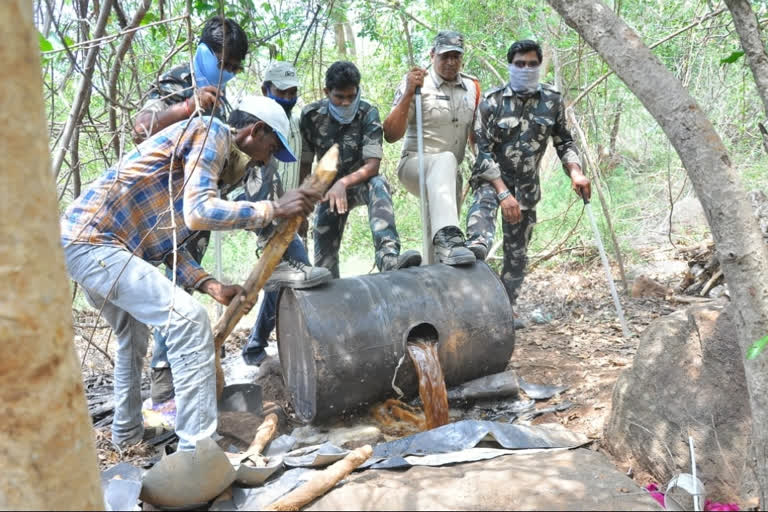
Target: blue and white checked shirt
(129,205)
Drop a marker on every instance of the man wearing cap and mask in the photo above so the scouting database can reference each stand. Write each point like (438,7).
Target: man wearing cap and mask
(343,118)
(222,47)
(267,182)
(282,85)
(512,129)
(121,228)
(449,101)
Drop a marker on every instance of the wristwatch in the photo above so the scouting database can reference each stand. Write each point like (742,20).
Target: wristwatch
(503,195)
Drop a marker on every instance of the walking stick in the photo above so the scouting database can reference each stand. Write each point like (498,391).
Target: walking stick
(607,268)
(426,245)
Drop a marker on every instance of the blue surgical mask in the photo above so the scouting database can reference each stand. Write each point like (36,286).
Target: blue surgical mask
(206,66)
(524,80)
(286,104)
(345,115)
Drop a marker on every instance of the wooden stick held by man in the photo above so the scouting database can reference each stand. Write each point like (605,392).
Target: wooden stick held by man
(273,252)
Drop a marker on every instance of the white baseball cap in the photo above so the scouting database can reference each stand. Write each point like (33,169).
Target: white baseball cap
(267,110)
(282,74)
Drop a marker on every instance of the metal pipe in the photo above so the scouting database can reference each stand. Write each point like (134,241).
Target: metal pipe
(607,268)
(428,253)
(696,496)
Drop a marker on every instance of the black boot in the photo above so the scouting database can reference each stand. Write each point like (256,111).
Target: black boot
(450,249)
(394,262)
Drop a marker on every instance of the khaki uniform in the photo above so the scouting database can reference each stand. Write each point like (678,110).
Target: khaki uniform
(448,111)
(289,171)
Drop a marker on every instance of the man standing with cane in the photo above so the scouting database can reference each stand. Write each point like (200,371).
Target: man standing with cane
(449,99)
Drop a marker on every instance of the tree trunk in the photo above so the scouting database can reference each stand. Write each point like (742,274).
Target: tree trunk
(350,37)
(749,33)
(341,41)
(345,39)
(47,455)
(739,244)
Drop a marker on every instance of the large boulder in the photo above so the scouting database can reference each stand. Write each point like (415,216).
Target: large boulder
(551,480)
(687,379)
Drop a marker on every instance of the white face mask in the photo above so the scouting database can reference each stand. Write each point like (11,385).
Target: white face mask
(525,80)
(345,115)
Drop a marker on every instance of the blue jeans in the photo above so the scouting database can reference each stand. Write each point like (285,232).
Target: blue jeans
(265,323)
(135,296)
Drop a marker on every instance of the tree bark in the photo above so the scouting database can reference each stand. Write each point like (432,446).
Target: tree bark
(47,454)
(739,244)
(754,50)
(341,41)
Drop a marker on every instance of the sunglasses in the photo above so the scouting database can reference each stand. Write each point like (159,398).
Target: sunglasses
(526,63)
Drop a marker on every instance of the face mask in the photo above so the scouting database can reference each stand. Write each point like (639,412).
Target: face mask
(524,80)
(345,115)
(207,70)
(286,104)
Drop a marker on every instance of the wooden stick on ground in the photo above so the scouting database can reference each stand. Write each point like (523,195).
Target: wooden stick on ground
(322,482)
(264,435)
(711,283)
(273,252)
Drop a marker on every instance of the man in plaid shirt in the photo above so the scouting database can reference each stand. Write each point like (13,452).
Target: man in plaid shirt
(141,213)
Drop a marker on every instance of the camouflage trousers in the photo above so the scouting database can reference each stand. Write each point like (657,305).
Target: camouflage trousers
(481,227)
(329,227)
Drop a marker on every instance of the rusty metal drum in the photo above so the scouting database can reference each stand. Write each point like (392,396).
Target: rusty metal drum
(340,344)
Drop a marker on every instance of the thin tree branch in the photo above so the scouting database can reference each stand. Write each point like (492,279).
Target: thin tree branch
(306,34)
(125,44)
(106,39)
(82,90)
(654,45)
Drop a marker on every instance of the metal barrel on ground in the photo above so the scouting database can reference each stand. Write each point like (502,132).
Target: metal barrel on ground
(340,343)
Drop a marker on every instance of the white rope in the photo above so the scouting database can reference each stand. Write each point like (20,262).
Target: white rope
(397,390)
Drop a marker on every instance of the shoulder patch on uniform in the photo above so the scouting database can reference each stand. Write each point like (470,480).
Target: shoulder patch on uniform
(466,75)
(490,92)
(312,106)
(549,88)
(366,105)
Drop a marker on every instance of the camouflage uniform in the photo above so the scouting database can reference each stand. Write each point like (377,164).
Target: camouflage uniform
(171,88)
(512,132)
(358,141)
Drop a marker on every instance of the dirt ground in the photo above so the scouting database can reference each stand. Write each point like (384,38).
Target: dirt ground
(573,338)
(581,344)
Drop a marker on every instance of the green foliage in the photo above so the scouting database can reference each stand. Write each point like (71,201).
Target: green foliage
(733,57)
(638,175)
(45,44)
(757,347)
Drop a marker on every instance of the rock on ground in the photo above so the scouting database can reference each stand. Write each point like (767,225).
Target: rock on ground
(563,480)
(687,378)
(344,437)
